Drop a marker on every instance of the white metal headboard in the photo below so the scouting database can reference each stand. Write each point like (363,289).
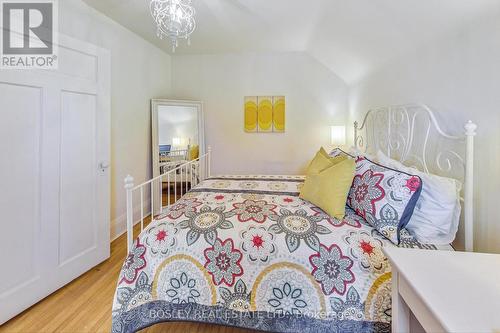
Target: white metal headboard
(412,135)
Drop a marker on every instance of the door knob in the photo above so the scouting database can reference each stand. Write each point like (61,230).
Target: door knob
(103,166)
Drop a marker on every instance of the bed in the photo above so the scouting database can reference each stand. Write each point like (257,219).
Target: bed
(170,159)
(246,251)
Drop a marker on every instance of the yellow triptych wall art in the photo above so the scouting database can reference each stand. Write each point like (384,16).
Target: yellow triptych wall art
(265,114)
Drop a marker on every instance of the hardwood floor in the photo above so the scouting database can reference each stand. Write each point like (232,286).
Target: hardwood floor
(84,305)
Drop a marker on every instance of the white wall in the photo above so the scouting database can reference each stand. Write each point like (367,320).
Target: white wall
(139,72)
(460,78)
(315,99)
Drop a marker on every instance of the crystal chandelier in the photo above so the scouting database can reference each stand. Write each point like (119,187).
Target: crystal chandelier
(174,19)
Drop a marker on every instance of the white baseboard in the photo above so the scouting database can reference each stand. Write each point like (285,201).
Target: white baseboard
(119,225)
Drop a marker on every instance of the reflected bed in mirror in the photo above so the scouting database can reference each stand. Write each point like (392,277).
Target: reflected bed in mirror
(177,135)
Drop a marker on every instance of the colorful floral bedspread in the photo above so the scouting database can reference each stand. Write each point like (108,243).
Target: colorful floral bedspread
(247,252)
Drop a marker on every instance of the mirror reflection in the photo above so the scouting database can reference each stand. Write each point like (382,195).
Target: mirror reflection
(178,137)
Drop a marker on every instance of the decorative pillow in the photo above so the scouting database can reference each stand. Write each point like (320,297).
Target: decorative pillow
(437,213)
(322,161)
(384,197)
(353,153)
(339,152)
(194,152)
(329,187)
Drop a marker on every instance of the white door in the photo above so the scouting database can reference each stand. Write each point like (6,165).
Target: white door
(54,192)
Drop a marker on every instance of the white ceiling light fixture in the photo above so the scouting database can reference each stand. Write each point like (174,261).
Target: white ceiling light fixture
(174,19)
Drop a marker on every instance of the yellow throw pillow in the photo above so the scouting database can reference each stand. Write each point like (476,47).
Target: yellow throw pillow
(328,188)
(194,152)
(322,161)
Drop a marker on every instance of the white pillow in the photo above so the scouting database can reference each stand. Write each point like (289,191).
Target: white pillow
(355,152)
(437,213)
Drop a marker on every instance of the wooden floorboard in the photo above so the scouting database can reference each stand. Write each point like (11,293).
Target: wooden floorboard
(84,305)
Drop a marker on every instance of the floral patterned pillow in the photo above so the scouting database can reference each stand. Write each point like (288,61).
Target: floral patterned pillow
(384,197)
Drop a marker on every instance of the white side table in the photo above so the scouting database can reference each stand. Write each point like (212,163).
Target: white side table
(446,291)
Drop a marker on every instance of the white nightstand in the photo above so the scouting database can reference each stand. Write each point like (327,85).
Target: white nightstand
(446,291)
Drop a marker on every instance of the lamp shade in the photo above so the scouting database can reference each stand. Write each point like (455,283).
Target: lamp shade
(338,135)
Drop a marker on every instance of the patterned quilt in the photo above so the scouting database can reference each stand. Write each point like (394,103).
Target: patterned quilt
(246,251)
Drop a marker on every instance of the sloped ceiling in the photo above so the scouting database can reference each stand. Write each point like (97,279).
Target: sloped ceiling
(350,37)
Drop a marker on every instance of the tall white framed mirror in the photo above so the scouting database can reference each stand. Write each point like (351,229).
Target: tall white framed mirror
(178,136)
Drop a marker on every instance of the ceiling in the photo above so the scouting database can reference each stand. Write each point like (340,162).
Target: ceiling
(351,37)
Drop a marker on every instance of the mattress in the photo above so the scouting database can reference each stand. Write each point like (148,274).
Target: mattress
(246,251)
